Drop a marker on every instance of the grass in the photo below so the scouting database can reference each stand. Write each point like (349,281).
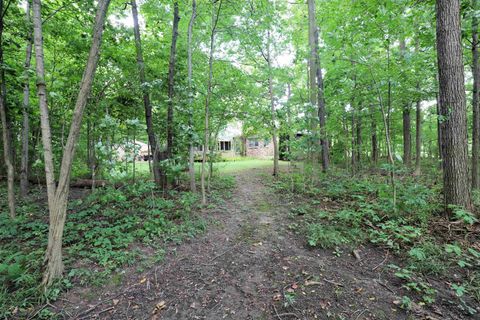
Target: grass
(229,166)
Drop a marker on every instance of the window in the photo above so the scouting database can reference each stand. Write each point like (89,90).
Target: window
(253,143)
(225,145)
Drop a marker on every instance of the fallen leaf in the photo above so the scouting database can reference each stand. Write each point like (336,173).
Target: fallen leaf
(294,286)
(159,306)
(143,280)
(115,301)
(324,304)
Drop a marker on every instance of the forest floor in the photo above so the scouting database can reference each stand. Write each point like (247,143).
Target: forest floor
(251,265)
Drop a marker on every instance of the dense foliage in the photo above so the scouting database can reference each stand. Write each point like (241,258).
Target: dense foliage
(377,102)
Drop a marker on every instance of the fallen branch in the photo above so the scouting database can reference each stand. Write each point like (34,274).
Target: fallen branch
(333,282)
(381,263)
(280,315)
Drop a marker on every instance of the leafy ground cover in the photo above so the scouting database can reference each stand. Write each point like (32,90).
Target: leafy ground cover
(338,211)
(106,231)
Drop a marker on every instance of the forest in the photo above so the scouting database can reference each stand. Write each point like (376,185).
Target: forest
(254,159)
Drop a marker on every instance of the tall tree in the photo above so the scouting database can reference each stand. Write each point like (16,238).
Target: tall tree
(26,108)
(152,140)
(373,129)
(208,97)
(406,119)
(312,73)
(191,151)
(6,134)
(320,91)
(273,113)
(171,80)
(475,100)
(452,104)
(58,194)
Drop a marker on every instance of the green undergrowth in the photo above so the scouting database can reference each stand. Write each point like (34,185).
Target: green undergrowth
(105,233)
(338,210)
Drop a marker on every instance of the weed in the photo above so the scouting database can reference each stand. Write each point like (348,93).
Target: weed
(103,234)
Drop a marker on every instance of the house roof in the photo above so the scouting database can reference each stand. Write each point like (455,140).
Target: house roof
(232,130)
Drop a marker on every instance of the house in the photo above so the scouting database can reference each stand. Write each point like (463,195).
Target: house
(231,143)
(256,147)
(140,149)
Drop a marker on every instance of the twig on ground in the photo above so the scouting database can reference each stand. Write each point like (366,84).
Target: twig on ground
(333,282)
(228,250)
(83,314)
(385,286)
(280,315)
(360,314)
(36,312)
(105,310)
(381,263)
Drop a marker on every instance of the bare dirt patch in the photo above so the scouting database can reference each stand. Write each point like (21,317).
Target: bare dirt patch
(251,266)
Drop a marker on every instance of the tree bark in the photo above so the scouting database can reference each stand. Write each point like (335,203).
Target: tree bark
(359,138)
(171,80)
(418,137)
(6,134)
(407,136)
(418,124)
(191,161)
(58,195)
(475,101)
(312,77)
(152,140)
(320,94)
(208,97)
(406,120)
(452,105)
(26,109)
(374,139)
(273,113)
(354,156)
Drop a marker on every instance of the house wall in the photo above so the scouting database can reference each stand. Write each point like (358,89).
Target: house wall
(261,151)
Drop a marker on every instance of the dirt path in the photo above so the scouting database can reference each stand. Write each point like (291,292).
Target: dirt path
(251,266)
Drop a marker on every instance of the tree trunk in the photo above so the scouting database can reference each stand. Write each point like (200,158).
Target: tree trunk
(208,97)
(439,131)
(452,105)
(374,140)
(354,156)
(26,109)
(418,138)
(171,81)
(407,136)
(152,140)
(273,113)
(58,195)
(359,139)
(418,124)
(312,81)
(6,134)
(475,102)
(319,81)
(406,120)
(191,158)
